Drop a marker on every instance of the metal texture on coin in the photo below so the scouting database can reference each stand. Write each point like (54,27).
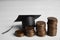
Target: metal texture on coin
(52,26)
(41,28)
(29,31)
(19,33)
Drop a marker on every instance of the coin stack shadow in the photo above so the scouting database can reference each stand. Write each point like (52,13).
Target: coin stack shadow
(41,28)
(52,26)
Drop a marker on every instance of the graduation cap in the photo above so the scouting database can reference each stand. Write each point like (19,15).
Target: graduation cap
(27,20)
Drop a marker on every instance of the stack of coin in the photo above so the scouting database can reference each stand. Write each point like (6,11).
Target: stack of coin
(29,31)
(52,26)
(41,28)
(19,33)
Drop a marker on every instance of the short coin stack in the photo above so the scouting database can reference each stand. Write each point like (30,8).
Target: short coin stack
(52,26)
(29,31)
(19,33)
(41,28)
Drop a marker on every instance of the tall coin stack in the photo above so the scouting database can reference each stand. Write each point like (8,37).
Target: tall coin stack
(29,31)
(41,28)
(52,26)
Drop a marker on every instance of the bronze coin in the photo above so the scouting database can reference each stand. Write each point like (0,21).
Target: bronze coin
(19,33)
(41,33)
(29,31)
(52,33)
(52,19)
(29,28)
(52,26)
(41,28)
(40,23)
(29,34)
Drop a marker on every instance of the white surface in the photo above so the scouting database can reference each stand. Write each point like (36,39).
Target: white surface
(9,10)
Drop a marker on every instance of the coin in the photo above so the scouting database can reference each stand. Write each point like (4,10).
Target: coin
(52,26)
(41,28)
(29,31)
(19,33)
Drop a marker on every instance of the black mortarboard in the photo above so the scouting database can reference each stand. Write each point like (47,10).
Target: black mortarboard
(27,20)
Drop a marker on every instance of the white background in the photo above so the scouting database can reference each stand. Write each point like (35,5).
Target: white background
(10,9)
